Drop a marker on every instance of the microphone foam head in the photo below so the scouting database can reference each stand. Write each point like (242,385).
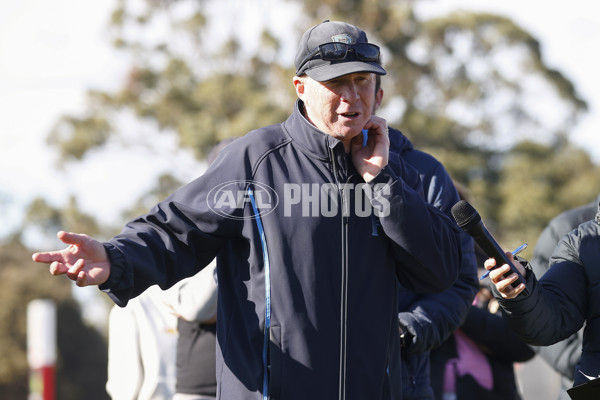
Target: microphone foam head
(465,215)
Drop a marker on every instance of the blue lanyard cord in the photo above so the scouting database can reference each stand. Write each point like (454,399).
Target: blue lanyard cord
(263,242)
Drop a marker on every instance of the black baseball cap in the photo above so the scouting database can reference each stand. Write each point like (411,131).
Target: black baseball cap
(309,62)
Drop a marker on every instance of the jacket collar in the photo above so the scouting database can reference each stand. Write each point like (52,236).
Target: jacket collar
(308,136)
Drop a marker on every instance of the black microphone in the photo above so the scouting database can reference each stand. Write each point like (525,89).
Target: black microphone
(468,219)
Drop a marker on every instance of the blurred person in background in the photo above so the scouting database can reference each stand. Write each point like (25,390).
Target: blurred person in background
(195,305)
(194,302)
(427,320)
(142,342)
(478,360)
(564,355)
(564,300)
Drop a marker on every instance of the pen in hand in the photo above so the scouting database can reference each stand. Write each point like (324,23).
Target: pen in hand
(514,253)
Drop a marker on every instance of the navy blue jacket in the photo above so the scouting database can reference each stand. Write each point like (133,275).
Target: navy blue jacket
(431,318)
(565,298)
(307,261)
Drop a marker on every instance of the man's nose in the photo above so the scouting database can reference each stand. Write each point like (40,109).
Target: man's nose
(350,93)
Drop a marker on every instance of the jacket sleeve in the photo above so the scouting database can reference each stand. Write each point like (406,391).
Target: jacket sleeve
(431,319)
(561,356)
(176,239)
(425,242)
(556,306)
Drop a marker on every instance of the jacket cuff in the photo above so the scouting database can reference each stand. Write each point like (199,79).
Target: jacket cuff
(530,281)
(381,189)
(386,175)
(115,279)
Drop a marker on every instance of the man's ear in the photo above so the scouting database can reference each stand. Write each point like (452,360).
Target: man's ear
(299,85)
(378,99)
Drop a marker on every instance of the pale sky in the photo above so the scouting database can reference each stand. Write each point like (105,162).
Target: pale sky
(52,52)
(569,34)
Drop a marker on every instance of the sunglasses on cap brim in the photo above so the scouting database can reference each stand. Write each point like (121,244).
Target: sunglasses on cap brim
(336,51)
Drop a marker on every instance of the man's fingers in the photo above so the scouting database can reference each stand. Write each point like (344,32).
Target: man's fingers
(40,257)
(71,238)
(81,280)
(489,263)
(518,289)
(47,257)
(74,240)
(504,285)
(74,270)
(58,268)
(511,293)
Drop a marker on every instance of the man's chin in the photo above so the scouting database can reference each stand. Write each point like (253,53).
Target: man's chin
(346,135)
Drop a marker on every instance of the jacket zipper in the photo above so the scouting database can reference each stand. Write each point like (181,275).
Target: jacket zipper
(344,281)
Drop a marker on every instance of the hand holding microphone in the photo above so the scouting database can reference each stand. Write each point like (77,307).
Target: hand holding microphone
(502,276)
(468,219)
(514,253)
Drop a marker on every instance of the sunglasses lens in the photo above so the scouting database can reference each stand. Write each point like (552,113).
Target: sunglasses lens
(367,52)
(334,51)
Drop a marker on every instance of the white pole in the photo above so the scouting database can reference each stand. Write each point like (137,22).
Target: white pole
(41,348)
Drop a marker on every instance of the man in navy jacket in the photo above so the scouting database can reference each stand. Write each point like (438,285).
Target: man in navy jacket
(313,223)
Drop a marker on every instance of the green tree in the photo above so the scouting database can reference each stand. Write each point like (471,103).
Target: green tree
(537,183)
(180,83)
(49,219)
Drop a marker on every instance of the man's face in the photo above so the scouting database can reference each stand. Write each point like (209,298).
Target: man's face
(340,107)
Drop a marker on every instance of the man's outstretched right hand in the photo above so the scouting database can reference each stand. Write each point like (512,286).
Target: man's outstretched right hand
(84,261)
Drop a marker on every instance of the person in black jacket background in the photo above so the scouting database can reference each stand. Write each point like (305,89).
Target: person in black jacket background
(565,298)
(562,356)
(477,361)
(194,303)
(426,320)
